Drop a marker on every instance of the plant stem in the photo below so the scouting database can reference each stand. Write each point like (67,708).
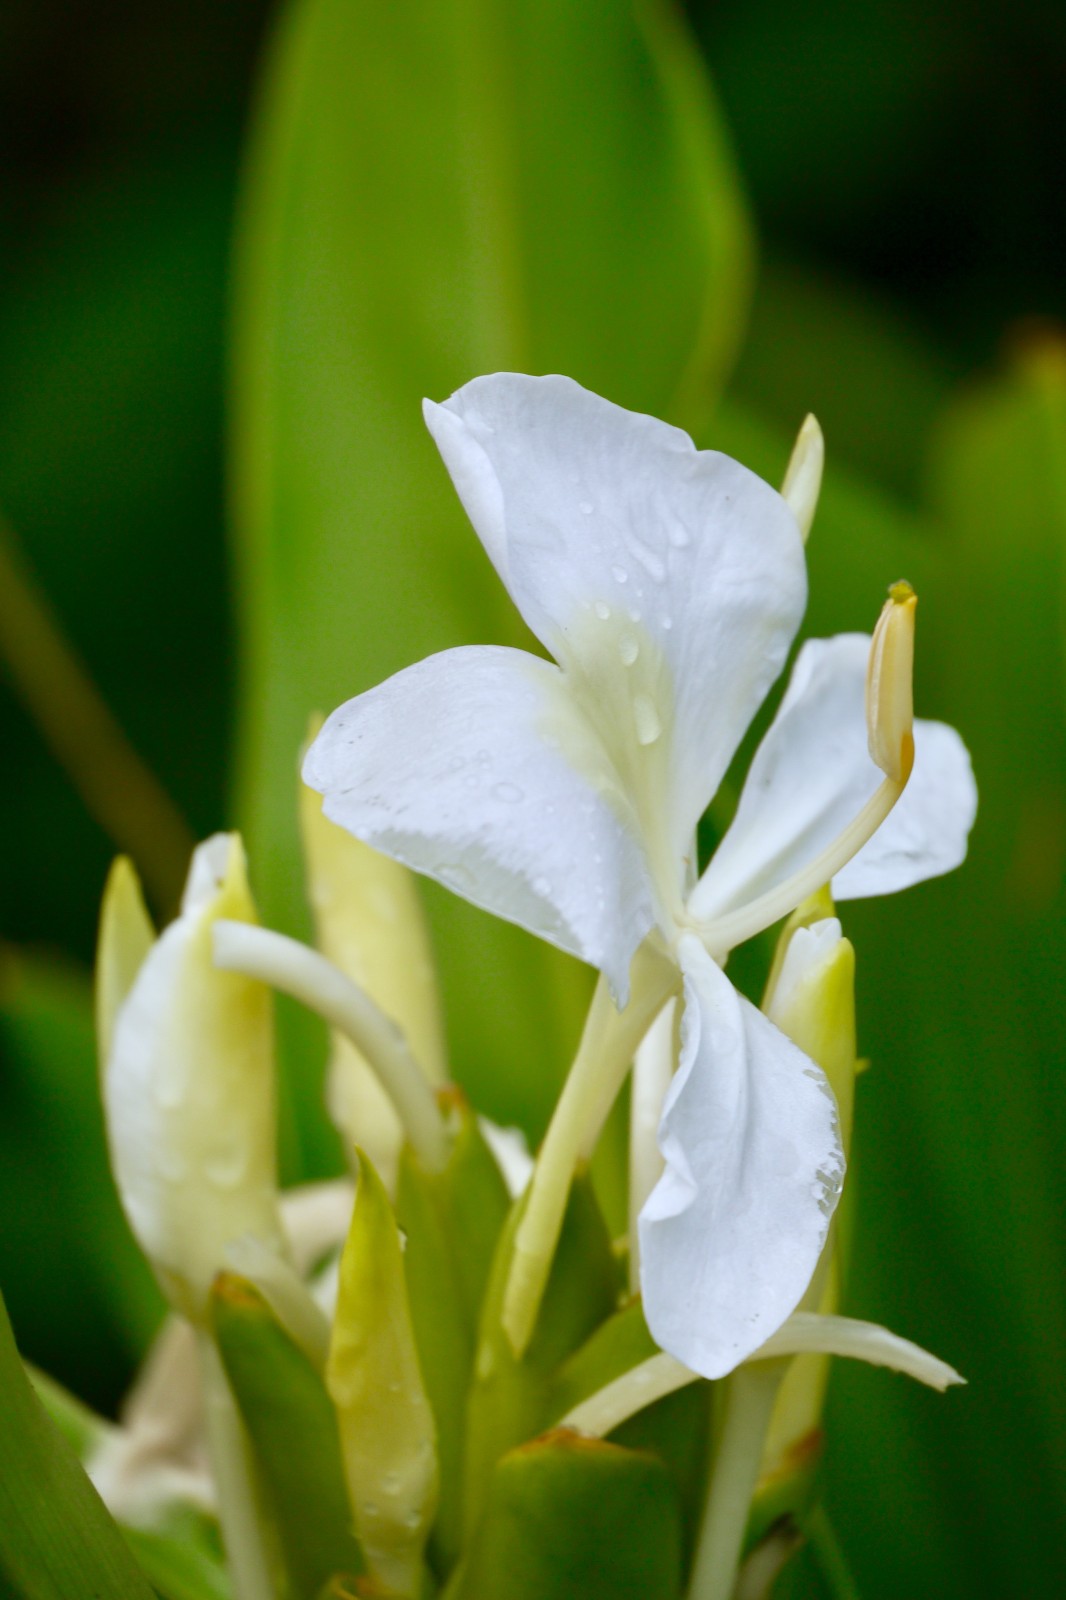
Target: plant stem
(603,1059)
(747,1398)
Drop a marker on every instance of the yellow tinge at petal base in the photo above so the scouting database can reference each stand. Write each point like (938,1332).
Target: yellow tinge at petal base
(189,1091)
(387,1432)
(369,923)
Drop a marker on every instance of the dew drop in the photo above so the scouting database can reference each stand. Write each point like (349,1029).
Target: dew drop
(628,649)
(370,1509)
(542,886)
(619,574)
(602,610)
(633,614)
(390,1483)
(587,508)
(668,623)
(226,1168)
(412,1519)
(646,717)
(510,793)
(679,535)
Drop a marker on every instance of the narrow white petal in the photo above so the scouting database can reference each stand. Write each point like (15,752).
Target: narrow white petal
(811,776)
(927,832)
(475,768)
(807,1331)
(732,1232)
(592,514)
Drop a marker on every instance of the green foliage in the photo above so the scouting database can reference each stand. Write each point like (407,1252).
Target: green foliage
(414,215)
(57,1542)
(578,1520)
(293,1429)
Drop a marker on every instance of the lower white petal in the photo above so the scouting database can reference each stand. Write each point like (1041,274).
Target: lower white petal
(466,767)
(733,1230)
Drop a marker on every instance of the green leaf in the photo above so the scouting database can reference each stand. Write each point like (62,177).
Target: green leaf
(436,191)
(575,1519)
(57,1541)
(179,1568)
(451,1222)
(511,1400)
(71,1259)
(960,994)
(293,1429)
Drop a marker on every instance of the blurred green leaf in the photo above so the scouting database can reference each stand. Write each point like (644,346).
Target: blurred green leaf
(512,1400)
(179,1569)
(575,1519)
(293,1429)
(57,1541)
(436,191)
(68,1257)
(961,1122)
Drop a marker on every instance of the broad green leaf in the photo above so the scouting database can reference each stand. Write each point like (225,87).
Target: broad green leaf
(575,1519)
(293,1429)
(57,1541)
(435,191)
(960,1125)
(512,1400)
(68,1258)
(179,1569)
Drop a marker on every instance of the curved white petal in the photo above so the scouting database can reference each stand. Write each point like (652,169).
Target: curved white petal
(732,1232)
(611,531)
(813,773)
(474,767)
(926,833)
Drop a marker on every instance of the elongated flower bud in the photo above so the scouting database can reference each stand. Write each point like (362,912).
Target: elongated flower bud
(803,476)
(369,923)
(126,935)
(189,1089)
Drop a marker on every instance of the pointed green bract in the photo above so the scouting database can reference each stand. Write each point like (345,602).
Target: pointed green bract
(451,1221)
(414,214)
(387,1432)
(57,1541)
(575,1519)
(293,1429)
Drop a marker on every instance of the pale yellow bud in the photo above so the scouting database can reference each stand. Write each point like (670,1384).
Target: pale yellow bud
(369,923)
(803,476)
(189,1092)
(126,935)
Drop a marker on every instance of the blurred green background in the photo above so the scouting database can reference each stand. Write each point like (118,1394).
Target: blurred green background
(862,217)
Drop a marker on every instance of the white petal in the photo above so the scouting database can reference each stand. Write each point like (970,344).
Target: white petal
(807,1331)
(733,1231)
(812,774)
(466,767)
(927,832)
(595,514)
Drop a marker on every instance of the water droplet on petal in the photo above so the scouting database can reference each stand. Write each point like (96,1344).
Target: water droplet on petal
(226,1168)
(653,564)
(619,574)
(628,649)
(668,623)
(679,535)
(510,793)
(646,717)
(542,886)
(587,508)
(602,610)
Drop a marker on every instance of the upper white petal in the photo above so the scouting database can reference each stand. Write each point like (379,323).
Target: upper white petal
(813,773)
(732,1233)
(475,767)
(927,831)
(592,512)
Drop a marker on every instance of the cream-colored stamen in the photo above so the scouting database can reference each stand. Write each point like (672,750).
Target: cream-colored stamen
(889,685)
(890,733)
(803,476)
